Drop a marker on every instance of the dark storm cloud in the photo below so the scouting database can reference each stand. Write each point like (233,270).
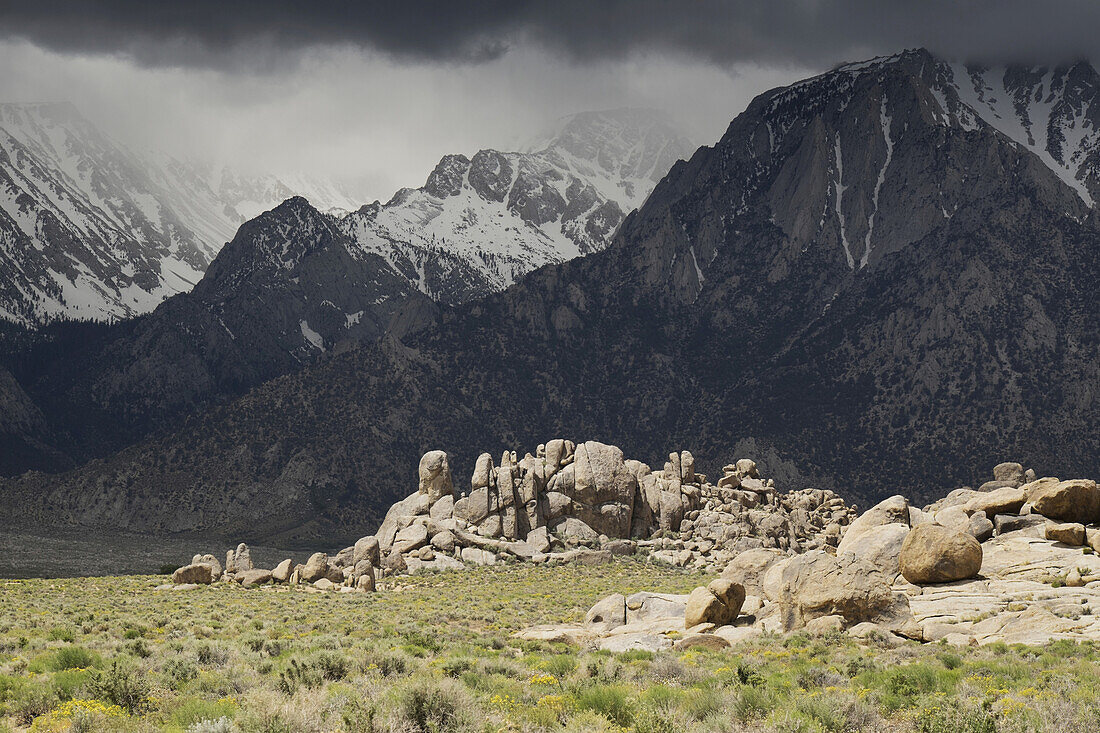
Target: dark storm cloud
(805,32)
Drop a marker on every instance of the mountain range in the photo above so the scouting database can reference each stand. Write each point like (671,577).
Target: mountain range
(295,283)
(880,280)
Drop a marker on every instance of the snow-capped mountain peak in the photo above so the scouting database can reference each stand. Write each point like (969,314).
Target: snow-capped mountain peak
(480,222)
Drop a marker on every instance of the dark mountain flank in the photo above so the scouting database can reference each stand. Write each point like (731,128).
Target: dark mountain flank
(286,290)
(868,284)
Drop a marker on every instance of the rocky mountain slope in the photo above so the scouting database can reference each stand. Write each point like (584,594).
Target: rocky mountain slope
(863,284)
(288,288)
(92,230)
(479,223)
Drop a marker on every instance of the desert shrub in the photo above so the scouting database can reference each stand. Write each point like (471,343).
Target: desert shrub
(61,633)
(418,638)
(298,674)
(701,702)
(901,686)
(120,685)
(611,701)
(32,699)
(433,706)
(752,702)
(211,655)
(456,666)
(194,713)
(359,716)
(221,725)
(589,721)
(177,672)
(950,660)
(661,720)
(138,648)
(74,657)
(821,711)
(818,677)
(957,717)
(388,664)
(560,665)
(332,666)
(67,683)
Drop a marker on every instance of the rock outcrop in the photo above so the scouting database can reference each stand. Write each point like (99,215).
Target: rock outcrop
(548,506)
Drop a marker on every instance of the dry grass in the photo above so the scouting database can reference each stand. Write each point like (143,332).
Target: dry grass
(435,654)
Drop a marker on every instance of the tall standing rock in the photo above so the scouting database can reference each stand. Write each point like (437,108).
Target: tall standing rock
(604,489)
(435,476)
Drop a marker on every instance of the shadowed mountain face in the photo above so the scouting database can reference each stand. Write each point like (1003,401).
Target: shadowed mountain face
(289,288)
(865,285)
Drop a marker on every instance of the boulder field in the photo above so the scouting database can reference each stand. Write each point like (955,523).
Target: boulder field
(1013,560)
(976,567)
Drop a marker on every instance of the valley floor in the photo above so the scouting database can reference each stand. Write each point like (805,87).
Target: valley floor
(57,552)
(436,653)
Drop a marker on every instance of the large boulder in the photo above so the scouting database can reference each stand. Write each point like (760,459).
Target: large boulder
(399,516)
(215,566)
(647,606)
(256,576)
(1006,500)
(238,560)
(894,510)
(1008,472)
(816,584)
(935,554)
(394,563)
(200,573)
(748,567)
(315,568)
(717,603)
(575,531)
(880,546)
(282,571)
(980,527)
(483,472)
(367,548)
(411,538)
(1076,500)
(1069,533)
(671,511)
(475,507)
(435,476)
(607,614)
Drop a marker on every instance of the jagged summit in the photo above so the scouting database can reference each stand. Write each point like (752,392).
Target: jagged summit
(480,222)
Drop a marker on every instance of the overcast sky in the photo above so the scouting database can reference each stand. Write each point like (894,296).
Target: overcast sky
(377,92)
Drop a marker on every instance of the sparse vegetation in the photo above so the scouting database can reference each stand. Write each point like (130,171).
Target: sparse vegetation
(435,654)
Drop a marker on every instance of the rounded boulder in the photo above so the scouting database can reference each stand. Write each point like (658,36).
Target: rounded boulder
(934,554)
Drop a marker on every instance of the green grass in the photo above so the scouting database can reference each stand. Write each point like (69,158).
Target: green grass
(435,654)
